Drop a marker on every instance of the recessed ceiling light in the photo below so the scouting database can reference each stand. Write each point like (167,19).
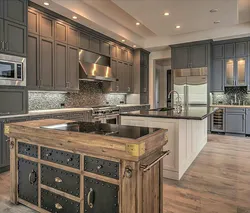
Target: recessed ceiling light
(216,22)
(213,10)
(138,23)
(134,46)
(123,40)
(178,27)
(46,3)
(166,14)
(74,17)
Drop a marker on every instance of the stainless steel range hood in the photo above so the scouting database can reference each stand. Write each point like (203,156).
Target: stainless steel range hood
(94,67)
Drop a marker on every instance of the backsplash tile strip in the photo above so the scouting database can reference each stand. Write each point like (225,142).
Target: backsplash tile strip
(90,93)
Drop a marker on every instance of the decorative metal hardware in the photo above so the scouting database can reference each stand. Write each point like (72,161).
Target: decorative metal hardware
(58,180)
(27,149)
(99,167)
(69,159)
(128,172)
(90,198)
(136,149)
(2,45)
(32,177)
(12,144)
(48,154)
(6,129)
(58,206)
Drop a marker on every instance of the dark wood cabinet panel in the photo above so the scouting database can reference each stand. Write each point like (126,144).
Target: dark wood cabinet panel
(130,57)
(33,21)
(15,38)
(84,41)
(129,78)
(46,63)
(241,49)
(124,53)
(33,62)
(180,57)
(120,71)
(16,11)
(46,26)
(105,48)
(230,50)
(144,79)
(217,75)
(119,52)
(198,56)
(60,66)
(218,51)
(73,36)
(61,32)
(113,86)
(95,44)
(113,51)
(1,9)
(73,68)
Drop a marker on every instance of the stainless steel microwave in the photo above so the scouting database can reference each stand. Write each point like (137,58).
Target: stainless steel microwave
(12,70)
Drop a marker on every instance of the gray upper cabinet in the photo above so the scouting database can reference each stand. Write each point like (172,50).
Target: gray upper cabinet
(218,51)
(113,51)
(73,68)
(144,79)
(235,123)
(1,9)
(84,41)
(119,52)
(248,121)
(95,44)
(198,56)
(249,48)
(61,32)
(15,38)
(241,49)
(120,71)
(73,36)
(113,85)
(105,48)
(16,11)
(217,75)
(33,62)
(33,21)
(130,57)
(180,57)
(1,35)
(46,63)
(230,50)
(60,66)
(47,24)
(124,54)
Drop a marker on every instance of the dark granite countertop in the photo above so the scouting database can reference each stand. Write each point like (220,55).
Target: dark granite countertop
(190,113)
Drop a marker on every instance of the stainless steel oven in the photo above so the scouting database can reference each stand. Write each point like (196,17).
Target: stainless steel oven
(111,119)
(12,70)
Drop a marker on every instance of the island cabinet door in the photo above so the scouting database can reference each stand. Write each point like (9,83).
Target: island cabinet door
(100,196)
(28,181)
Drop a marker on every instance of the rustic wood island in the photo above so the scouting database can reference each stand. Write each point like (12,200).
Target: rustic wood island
(64,166)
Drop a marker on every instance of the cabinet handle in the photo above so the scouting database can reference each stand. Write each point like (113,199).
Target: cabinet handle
(117,88)
(58,180)
(69,159)
(48,154)
(145,90)
(90,198)
(2,47)
(99,167)
(58,206)
(7,46)
(32,177)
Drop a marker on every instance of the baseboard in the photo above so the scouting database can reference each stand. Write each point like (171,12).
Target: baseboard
(4,169)
(170,174)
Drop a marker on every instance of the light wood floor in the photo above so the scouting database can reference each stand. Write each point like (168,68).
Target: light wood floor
(217,182)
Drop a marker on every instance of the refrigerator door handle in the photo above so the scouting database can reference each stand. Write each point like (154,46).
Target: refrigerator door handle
(187,98)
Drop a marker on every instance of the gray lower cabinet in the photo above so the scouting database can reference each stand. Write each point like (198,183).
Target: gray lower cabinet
(73,68)
(235,122)
(248,121)
(217,75)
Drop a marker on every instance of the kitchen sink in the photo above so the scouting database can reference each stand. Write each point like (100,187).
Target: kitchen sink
(164,109)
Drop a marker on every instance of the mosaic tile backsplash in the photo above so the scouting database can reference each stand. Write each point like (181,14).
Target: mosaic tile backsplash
(232,93)
(90,93)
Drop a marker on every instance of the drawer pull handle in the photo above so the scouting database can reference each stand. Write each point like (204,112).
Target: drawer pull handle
(32,177)
(99,167)
(69,159)
(27,149)
(91,198)
(58,180)
(58,206)
(48,154)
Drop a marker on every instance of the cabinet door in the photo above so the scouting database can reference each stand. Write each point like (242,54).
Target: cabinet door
(33,22)
(1,36)
(241,49)
(95,44)
(217,76)
(144,79)
(46,63)
(126,77)
(1,9)
(61,32)
(124,54)
(143,98)
(60,66)
(113,87)
(230,72)
(113,51)
(235,123)
(84,41)
(130,56)
(119,76)
(180,58)
(15,38)
(73,68)
(248,121)
(46,26)
(130,78)
(73,36)
(241,67)
(230,50)
(119,52)
(33,62)
(105,48)
(16,11)
(100,196)
(218,51)
(198,56)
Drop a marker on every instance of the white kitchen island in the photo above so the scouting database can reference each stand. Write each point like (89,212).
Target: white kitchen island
(187,134)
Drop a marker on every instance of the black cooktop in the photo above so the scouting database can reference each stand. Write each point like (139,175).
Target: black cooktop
(104,129)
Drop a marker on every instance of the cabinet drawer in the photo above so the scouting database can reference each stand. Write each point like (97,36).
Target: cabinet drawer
(27,149)
(61,157)
(56,203)
(101,167)
(235,110)
(60,179)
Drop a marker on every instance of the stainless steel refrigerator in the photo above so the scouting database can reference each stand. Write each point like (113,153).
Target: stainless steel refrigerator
(191,84)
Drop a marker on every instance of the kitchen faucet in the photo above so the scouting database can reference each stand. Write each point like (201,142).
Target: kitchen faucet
(178,103)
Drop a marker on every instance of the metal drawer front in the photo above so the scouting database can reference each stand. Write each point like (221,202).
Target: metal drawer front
(235,110)
(27,149)
(28,181)
(61,157)
(57,204)
(101,167)
(100,197)
(62,180)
